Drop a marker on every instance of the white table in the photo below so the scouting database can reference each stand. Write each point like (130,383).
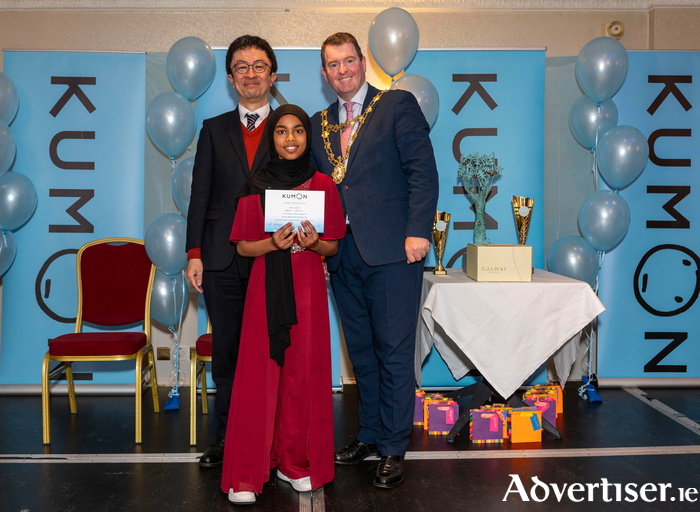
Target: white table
(504,330)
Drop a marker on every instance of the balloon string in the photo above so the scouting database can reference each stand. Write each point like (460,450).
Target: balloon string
(595,153)
(172,163)
(177,377)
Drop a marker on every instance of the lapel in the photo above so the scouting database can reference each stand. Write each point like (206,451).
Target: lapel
(263,147)
(371,93)
(235,134)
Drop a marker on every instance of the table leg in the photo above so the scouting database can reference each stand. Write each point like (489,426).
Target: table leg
(516,402)
(481,393)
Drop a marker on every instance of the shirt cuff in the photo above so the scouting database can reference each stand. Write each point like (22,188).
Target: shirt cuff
(194,253)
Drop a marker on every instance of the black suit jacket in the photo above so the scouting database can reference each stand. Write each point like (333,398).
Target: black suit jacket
(390,190)
(220,169)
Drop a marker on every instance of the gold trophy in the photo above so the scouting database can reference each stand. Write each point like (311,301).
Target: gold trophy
(440,227)
(522,209)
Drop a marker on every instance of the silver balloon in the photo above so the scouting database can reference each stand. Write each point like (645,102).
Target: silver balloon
(18,200)
(8,148)
(424,91)
(622,154)
(601,68)
(572,256)
(393,40)
(604,219)
(169,298)
(8,251)
(181,185)
(585,122)
(9,100)
(165,242)
(191,67)
(170,122)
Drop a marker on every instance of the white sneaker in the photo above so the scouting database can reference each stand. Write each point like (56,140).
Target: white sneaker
(299,485)
(241,498)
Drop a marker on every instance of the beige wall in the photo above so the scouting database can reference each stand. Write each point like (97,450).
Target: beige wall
(563,33)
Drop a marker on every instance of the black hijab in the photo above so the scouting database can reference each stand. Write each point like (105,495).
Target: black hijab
(280,174)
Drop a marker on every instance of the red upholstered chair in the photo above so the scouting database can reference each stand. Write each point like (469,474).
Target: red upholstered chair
(115,279)
(202,353)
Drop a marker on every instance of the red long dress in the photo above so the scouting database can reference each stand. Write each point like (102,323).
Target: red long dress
(283,417)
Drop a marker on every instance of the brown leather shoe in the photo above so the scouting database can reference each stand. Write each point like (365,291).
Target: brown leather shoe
(355,452)
(389,472)
(214,455)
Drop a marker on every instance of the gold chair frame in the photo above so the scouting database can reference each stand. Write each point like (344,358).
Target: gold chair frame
(197,368)
(65,362)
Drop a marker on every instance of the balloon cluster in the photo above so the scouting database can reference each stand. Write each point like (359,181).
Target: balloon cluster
(18,198)
(619,153)
(170,119)
(393,41)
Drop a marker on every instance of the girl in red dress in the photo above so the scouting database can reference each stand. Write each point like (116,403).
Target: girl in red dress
(281,412)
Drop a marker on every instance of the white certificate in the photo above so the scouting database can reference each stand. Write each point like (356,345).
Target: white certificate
(283,206)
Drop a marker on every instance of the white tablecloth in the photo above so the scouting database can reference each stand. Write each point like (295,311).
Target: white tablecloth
(505,330)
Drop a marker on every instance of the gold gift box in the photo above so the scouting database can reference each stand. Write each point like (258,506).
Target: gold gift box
(498,262)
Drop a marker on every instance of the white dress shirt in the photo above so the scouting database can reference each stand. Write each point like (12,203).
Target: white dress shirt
(263,112)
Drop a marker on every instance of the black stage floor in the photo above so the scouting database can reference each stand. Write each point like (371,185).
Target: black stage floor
(104,470)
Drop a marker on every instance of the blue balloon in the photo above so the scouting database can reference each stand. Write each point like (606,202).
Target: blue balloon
(8,148)
(585,122)
(424,91)
(622,154)
(169,298)
(170,122)
(604,219)
(8,251)
(572,256)
(191,67)
(9,100)
(181,185)
(18,200)
(393,40)
(165,243)
(601,68)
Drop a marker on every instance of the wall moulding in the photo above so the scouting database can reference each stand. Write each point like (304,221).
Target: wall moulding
(342,5)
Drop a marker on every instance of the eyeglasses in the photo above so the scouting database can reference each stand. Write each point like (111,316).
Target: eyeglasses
(242,67)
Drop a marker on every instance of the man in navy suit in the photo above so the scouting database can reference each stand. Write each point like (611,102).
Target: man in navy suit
(230,148)
(383,163)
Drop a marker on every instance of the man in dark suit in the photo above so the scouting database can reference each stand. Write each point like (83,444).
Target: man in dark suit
(231,147)
(383,163)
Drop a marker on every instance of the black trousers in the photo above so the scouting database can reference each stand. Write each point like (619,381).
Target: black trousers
(224,295)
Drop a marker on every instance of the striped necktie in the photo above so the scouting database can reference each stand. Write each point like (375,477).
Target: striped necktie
(347,132)
(251,120)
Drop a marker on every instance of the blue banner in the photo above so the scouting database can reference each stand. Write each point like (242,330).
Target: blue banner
(650,282)
(80,138)
(490,101)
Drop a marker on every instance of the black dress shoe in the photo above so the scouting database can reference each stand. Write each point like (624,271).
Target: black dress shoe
(389,472)
(355,452)
(214,455)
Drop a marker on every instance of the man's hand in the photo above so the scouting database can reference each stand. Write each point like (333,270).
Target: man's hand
(194,273)
(416,248)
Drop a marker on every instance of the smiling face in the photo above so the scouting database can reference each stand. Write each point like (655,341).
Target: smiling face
(344,70)
(289,137)
(252,88)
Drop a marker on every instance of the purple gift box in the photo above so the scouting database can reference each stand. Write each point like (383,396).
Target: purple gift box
(545,404)
(442,417)
(488,425)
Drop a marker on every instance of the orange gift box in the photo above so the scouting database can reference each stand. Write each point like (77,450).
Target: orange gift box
(525,425)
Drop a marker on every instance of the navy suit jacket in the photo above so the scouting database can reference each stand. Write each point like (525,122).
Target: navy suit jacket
(220,169)
(390,190)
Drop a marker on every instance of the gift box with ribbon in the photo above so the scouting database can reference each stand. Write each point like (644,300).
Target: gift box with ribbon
(525,425)
(546,404)
(487,425)
(435,398)
(442,417)
(551,388)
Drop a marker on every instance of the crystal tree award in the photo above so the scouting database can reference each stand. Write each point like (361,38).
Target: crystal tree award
(522,210)
(441,225)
